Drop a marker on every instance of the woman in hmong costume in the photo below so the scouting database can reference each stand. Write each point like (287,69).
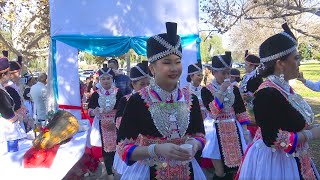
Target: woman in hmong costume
(280,147)
(194,78)
(10,122)
(249,84)
(223,100)
(139,76)
(235,77)
(160,118)
(102,105)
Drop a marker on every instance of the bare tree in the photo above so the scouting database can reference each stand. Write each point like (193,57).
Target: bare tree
(24,27)
(224,14)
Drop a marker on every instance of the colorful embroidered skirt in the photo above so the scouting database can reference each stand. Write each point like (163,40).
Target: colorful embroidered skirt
(227,145)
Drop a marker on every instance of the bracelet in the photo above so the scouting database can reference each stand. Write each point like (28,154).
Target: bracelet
(307,134)
(151,151)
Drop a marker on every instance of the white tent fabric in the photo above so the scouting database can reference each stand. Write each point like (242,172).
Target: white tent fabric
(113,18)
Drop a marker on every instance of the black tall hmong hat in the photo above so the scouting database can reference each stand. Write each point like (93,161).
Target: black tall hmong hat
(193,69)
(139,71)
(5,53)
(221,62)
(162,45)
(106,71)
(251,58)
(278,45)
(4,65)
(16,65)
(235,72)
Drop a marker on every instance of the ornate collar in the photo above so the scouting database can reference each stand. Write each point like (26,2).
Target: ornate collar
(245,79)
(283,85)
(108,92)
(294,99)
(158,94)
(195,89)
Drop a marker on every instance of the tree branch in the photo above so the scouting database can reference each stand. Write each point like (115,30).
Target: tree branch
(36,40)
(9,45)
(272,17)
(306,34)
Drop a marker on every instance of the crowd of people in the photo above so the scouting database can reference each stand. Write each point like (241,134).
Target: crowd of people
(149,127)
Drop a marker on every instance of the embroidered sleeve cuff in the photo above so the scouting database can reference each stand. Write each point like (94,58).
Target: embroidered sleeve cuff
(287,141)
(125,149)
(126,156)
(243,118)
(293,143)
(218,104)
(215,107)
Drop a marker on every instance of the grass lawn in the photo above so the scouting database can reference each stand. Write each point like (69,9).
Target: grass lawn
(311,71)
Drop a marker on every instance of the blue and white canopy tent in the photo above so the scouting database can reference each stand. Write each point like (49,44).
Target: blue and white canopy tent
(111,28)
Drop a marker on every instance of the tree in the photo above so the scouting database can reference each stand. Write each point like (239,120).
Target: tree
(210,45)
(25,28)
(224,14)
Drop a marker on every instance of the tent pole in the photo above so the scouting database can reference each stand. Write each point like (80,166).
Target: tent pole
(127,57)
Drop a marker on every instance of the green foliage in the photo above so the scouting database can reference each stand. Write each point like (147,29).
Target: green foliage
(305,50)
(210,46)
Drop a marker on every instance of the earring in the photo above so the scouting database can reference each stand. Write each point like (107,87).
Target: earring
(282,79)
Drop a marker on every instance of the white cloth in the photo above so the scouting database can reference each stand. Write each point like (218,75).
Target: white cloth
(11,131)
(211,149)
(38,94)
(261,163)
(11,164)
(118,164)
(142,172)
(315,86)
(95,137)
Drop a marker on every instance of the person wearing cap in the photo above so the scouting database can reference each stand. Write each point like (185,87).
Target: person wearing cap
(140,78)
(235,77)
(15,89)
(122,81)
(15,76)
(102,106)
(161,128)
(10,122)
(249,84)
(194,79)
(224,102)
(280,148)
(315,86)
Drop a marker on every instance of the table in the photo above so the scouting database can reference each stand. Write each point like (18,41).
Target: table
(11,164)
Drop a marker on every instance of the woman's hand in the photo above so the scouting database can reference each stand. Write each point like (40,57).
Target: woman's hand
(225,85)
(196,145)
(172,152)
(301,78)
